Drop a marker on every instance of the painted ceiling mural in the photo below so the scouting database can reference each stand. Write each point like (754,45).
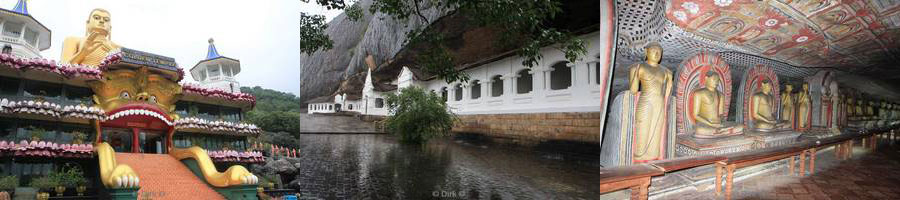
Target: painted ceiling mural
(809,33)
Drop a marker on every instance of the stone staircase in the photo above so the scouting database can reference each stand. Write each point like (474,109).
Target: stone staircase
(163,177)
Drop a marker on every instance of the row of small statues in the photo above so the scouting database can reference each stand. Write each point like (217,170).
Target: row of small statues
(871,110)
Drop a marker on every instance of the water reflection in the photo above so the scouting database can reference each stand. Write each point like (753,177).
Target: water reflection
(376,167)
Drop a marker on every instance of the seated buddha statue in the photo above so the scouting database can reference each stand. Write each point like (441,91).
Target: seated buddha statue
(708,106)
(95,46)
(762,109)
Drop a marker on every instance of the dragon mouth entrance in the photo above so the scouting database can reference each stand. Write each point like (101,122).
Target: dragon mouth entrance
(142,116)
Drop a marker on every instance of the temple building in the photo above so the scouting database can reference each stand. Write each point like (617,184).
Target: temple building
(124,118)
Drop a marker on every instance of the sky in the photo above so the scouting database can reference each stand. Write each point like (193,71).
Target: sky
(262,34)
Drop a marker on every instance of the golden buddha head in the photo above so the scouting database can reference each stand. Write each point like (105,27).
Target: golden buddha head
(805,87)
(788,88)
(653,52)
(711,80)
(98,21)
(765,86)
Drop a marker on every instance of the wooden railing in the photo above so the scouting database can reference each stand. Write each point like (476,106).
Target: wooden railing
(637,177)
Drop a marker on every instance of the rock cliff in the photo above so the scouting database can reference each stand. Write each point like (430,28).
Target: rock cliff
(376,34)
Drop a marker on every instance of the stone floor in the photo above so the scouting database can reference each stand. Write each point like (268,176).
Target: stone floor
(868,175)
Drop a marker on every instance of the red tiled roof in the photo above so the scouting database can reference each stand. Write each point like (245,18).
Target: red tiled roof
(163,177)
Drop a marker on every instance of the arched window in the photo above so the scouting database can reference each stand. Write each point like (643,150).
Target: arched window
(379,103)
(523,81)
(444,94)
(349,106)
(476,89)
(496,86)
(457,93)
(561,76)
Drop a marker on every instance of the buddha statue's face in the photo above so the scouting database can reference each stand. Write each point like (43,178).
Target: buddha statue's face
(788,88)
(99,20)
(654,54)
(766,87)
(712,81)
(805,87)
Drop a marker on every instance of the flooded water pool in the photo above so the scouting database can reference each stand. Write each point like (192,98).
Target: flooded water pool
(333,166)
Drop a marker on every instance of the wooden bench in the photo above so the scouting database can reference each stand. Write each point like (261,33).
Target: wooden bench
(671,165)
(750,158)
(635,177)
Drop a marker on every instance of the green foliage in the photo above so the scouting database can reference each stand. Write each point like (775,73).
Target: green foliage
(417,115)
(523,24)
(354,12)
(44,183)
(274,111)
(69,175)
(9,183)
(312,34)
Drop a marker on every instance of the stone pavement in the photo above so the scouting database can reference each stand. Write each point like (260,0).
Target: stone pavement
(868,175)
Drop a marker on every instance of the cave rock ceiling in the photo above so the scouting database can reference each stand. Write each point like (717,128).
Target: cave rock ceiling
(797,37)
(808,33)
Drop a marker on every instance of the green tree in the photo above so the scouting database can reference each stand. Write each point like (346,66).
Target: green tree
(274,111)
(524,24)
(417,115)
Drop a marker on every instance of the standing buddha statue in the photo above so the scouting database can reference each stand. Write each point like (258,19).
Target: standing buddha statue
(787,104)
(803,106)
(653,82)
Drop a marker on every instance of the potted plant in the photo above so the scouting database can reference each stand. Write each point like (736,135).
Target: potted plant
(37,133)
(8,184)
(78,137)
(43,184)
(82,185)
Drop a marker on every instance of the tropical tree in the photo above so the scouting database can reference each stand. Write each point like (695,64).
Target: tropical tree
(524,25)
(417,116)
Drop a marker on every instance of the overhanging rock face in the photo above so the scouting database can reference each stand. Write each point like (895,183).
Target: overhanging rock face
(378,35)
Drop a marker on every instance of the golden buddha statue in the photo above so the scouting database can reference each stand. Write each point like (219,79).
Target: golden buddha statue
(851,107)
(96,44)
(803,105)
(870,110)
(787,104)
(708,106)
(654,82)
(762,109)
(859,113)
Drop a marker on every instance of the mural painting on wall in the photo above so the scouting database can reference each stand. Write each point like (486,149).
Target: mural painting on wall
(800,32)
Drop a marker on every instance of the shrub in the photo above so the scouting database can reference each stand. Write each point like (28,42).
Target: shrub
(8,183)
(417,116)
(44,183)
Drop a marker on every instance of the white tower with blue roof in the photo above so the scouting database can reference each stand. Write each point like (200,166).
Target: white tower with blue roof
(217,71)
(21,34)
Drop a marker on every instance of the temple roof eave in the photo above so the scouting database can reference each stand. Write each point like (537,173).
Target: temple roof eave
(219,59)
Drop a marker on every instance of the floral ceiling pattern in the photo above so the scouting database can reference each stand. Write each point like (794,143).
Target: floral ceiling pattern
(808,33)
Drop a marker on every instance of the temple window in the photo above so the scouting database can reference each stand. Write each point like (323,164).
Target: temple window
(43,89)
(31,37)
(9,86)
(560,76)
(476,89)
(379,103)
(457,92)
(181,108)
(597,73)
(207,112)
(12,29)
(496,86)
(444,94)
(79,94)
(349,106)
(523,81)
